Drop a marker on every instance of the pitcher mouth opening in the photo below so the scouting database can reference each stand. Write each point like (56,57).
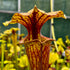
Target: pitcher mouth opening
(43,40)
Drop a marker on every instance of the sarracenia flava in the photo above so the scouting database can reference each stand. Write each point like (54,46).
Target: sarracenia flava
(37,46)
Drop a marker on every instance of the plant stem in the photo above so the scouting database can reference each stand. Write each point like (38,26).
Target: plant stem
(68,64)
(14,40)
(52,27)
(20,50)
(15,51)
(2,58)
(57,66)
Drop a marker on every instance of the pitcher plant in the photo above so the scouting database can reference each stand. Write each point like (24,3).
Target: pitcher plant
(37,46)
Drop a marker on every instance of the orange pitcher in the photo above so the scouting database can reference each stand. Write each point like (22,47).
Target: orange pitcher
(37,46)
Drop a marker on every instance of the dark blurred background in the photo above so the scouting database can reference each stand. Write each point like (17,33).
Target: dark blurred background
(61,26)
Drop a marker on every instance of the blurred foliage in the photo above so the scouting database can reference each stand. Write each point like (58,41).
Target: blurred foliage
(61,59)
(8,62)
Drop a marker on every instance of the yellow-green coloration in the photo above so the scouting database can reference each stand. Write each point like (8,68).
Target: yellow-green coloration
(14,42)
(65,68)
(2,51)
(53,57)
